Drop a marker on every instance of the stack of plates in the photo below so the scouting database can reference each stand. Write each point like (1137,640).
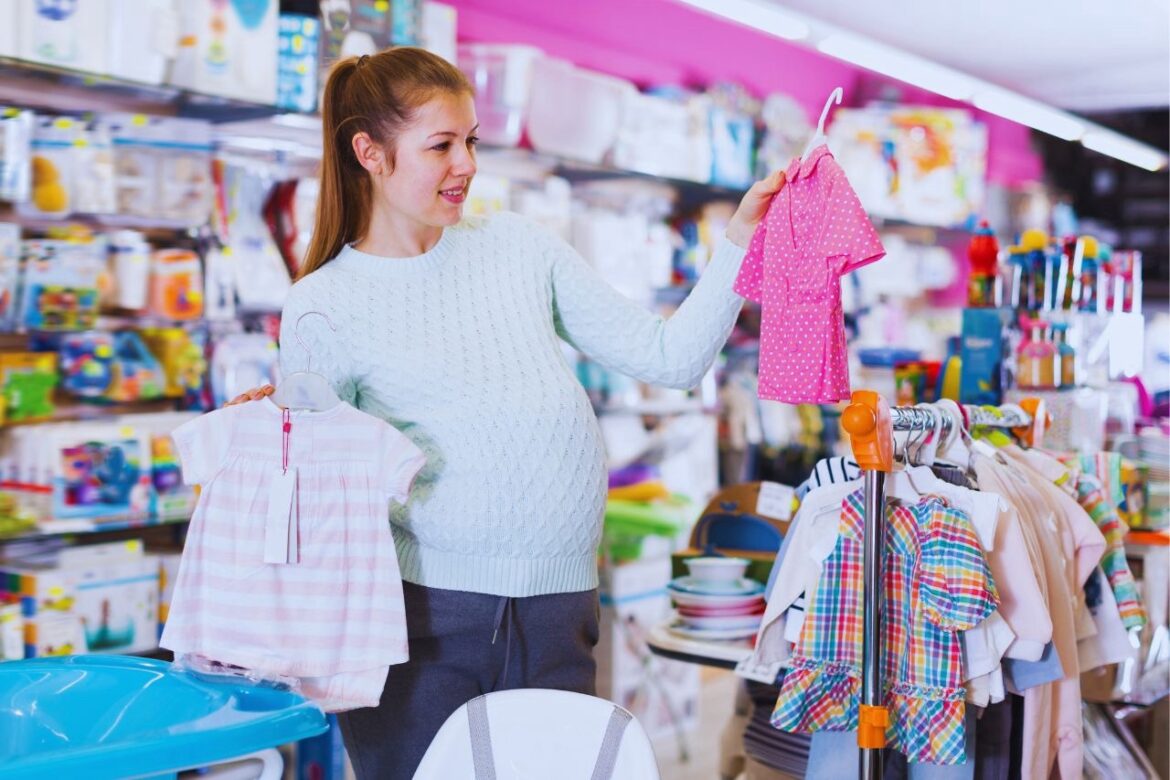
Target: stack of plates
(707,609)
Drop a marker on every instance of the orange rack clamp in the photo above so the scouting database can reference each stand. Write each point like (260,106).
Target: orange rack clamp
(1033,435)
(872,723)
(871,433)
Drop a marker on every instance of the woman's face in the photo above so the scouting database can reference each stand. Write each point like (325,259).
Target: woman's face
(434,162)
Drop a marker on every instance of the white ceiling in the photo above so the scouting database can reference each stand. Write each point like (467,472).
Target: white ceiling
(1081,55)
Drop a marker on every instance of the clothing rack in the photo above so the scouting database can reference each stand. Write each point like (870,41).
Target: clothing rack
(871,424)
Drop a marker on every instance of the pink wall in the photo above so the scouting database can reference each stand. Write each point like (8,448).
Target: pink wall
(665,42)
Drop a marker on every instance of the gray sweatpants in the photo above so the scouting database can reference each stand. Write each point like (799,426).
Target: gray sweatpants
(463,645)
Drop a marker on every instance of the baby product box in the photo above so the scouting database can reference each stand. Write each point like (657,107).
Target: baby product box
(99,598)
(60,32)
(662,694)
(982,351)
(228,48)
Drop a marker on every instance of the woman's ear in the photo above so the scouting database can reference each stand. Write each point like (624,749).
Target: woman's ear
(370,154)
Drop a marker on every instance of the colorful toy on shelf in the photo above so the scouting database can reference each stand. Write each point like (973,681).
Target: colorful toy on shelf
(983,252)
(27,380)
(87,363)
(1036,357)
(181,357)
(137,374)
(176,284)
(61,281)
(165,473)
(1065,368)
(99,473)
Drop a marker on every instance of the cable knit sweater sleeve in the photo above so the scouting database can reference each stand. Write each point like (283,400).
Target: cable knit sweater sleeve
(318,349)
(623,336)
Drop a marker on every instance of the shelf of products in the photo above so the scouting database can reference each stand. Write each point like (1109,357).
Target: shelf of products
(46,87)
(48,528)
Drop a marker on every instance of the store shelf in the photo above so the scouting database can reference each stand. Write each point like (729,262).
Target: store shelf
(36,86)
(47,528)
(96,222)
(75,411)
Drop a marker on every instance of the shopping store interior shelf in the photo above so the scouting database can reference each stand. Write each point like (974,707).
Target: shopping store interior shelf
(33,85)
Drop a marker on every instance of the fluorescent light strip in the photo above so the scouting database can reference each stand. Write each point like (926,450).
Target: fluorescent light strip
(1124,148)
(1029,112)
(899,65)
(761,16)
(941,80)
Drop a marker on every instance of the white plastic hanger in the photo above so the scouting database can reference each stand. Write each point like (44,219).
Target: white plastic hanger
(305,390)
(819,136)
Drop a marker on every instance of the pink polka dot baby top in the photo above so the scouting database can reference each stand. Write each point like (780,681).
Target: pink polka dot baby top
(332,616)
(815,232)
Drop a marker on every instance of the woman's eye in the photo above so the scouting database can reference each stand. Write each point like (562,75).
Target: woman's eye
(473,140)
(441,147)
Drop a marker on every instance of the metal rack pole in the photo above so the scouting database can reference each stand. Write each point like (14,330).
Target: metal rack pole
(872,693)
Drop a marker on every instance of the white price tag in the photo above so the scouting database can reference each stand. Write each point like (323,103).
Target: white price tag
(752,669)
(775,500)
(280,525)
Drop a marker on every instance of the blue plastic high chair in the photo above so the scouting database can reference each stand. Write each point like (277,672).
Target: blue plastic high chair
(116,717)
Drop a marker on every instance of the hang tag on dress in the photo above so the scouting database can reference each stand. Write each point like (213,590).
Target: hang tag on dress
(280,524)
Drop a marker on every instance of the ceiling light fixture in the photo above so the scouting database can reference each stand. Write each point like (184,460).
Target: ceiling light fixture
(899,65)
(911,69)
(1029,112)
(1125,149)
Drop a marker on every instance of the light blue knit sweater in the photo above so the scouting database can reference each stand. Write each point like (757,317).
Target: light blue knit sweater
(458,348)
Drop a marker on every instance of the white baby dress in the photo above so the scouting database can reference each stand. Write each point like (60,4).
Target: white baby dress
(332,616)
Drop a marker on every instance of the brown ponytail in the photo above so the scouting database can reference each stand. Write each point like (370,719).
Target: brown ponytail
(376,94)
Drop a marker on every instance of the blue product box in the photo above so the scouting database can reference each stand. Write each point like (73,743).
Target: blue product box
(297,68)
(983,349)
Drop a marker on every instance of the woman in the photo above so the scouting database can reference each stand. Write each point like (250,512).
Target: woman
(449,330)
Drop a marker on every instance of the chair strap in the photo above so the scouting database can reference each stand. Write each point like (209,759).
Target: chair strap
(481,739)
(610,743)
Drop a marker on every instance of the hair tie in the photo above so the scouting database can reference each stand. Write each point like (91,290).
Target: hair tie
(362,60)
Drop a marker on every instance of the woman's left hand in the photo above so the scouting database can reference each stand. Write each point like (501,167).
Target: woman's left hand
(752,208)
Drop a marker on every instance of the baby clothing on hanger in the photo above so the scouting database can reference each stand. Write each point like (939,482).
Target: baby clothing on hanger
(328,610)
(935,584)
(815,232)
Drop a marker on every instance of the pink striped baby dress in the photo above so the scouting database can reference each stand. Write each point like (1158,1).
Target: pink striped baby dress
(815,232)
(332,616)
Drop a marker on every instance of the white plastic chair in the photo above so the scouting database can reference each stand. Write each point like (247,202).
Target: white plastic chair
(534,734)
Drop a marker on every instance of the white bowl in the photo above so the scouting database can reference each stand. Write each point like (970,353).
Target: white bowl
(715,569)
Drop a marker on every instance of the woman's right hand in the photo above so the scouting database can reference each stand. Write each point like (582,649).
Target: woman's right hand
(255,394)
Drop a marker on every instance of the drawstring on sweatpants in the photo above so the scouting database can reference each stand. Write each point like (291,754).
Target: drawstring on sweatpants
(504,612)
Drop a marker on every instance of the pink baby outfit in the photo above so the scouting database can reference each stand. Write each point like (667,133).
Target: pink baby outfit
(815,231)
(333,616)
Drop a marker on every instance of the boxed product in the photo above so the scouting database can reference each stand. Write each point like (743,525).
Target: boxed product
(16,132)
(655,137)
(437,29)
(59,286)
(983,349)
(176,284)
(100,471)
(353,28)
(27,380)
(228,49)
(10,249)
(296,63)
(662,694)
(53,167)
(144,41)
(502,77)
(62,33)
(11,629)
(100,598)
(575,112)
